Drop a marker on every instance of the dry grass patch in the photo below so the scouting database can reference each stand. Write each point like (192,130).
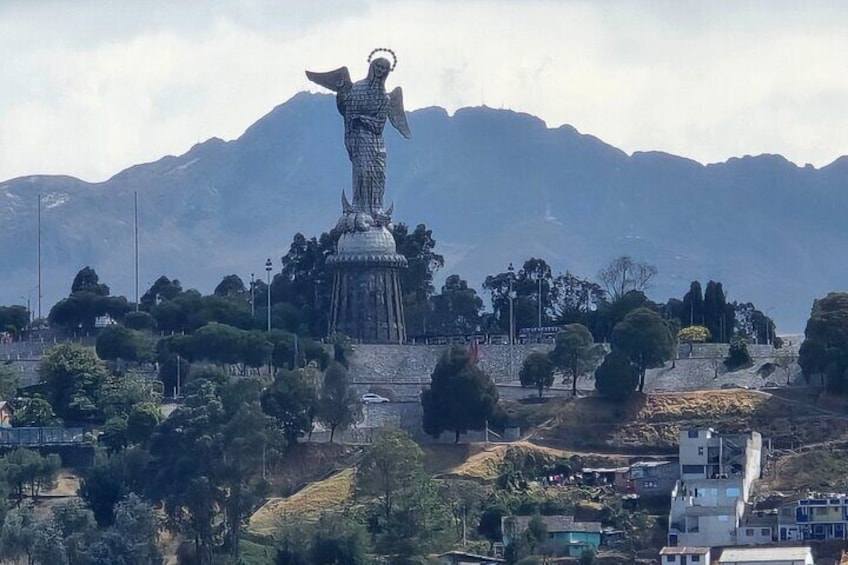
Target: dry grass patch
(307,504)
(651,423)
(821,470)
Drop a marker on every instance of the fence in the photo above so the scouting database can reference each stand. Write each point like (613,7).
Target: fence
(34,437)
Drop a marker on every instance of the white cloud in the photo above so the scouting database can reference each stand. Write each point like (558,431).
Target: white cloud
(95,87)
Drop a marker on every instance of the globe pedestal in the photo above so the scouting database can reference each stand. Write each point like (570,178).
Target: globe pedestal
(366,302)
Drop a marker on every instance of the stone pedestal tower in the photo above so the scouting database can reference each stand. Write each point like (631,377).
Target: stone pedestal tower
(366,289)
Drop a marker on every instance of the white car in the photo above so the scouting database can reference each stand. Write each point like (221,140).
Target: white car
(371,398)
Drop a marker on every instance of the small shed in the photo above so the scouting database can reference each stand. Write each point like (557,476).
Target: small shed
(613,476)
(685,555)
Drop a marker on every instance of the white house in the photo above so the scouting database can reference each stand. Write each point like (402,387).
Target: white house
(717,472)
(685,556)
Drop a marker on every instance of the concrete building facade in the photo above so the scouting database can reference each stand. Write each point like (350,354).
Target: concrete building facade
(717,473)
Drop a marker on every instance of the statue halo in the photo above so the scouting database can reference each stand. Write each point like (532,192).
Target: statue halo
(383,50)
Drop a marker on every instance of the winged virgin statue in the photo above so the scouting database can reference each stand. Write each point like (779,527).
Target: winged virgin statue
(365,105)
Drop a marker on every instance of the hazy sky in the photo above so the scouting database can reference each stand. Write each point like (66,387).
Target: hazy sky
(89,87)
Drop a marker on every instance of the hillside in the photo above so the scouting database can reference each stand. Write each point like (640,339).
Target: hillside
(225,206)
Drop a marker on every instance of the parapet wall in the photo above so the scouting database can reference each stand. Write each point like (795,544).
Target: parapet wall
(413,364)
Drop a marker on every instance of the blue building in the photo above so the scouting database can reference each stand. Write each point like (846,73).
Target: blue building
(565,536)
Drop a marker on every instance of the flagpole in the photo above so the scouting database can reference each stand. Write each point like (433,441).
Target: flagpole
(135,211)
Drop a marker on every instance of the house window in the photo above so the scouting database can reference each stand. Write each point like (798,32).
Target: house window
(749,532)
(649,484)
(700,451)
(691,469)
(671,558)
(694,558)
(733,491)
(693,433)
(765,532)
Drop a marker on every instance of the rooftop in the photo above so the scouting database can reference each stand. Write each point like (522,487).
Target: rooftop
(558,523)
(755,554)
(684,550)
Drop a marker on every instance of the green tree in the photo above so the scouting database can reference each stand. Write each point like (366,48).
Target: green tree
(537,532)
(460,397)
(645,339)
(142,421)
(37,412)
(824,351)
(575,353)
(114,434)
(336,540)
(574,298)
(616,378)
(693,306)
(694,334)
(525,287)
(390,469)
(208,459)
(137,525)
(164,289)
(416,280)
(456,310)
(103,485)
(338,402)
(291,401)
(27,471)
(14,319)
(72,377)
(86,280)
(77,528)
(18,535)
(305,284)
(230,286)
(140,321)
(737,354)
(118,342)
(490,523)
(537,371)
(121,393)
(10,381)
(464,498)
(88,299)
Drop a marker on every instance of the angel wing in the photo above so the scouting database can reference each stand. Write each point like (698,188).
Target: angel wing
(337,81)
(396,114)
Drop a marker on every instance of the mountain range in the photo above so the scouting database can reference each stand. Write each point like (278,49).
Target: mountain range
(495,186)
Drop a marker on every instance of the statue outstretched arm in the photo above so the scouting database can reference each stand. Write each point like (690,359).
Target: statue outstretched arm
(338,81)
(396,113)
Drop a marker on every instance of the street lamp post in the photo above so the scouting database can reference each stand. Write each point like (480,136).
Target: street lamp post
(511,326)
(252,297)
(511,312)
(268,267)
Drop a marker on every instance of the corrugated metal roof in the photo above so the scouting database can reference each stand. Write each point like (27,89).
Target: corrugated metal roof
(684,550)
(557,524)
(756,554)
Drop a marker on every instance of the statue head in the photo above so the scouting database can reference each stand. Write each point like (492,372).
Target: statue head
(379,69)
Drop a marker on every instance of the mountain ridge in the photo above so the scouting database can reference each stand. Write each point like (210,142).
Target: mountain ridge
(494,185)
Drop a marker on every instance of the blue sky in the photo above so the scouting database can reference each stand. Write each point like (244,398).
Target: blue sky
(88,87)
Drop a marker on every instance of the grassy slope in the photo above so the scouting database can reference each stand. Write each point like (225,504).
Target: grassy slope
(601,433)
